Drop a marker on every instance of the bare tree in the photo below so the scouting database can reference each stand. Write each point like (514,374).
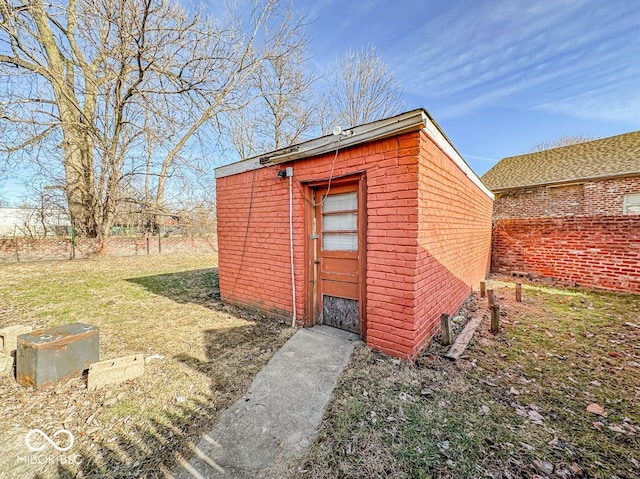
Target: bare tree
(363,90)
(283,108)
(560,142)
(114,96)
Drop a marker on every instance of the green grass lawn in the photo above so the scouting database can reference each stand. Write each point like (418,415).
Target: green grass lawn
(206,357)
(515,406)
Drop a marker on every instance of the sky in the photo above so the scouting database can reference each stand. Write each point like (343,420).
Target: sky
(498,76)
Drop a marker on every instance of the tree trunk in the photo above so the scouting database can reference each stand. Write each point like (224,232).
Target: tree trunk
(78,167)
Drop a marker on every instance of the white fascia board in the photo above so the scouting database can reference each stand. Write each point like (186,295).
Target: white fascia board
(411,121)
(438,137)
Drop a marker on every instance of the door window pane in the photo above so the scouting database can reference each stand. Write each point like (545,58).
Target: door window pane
(340,202)
(340,241)
(340,222)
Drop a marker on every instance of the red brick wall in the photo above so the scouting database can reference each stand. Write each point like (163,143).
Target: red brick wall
(256,272)
(454,239)
(54,249)
(576,234)
(596,251)
(602,197)
(392,245)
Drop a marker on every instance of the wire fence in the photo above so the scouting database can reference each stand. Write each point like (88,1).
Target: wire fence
(56,248)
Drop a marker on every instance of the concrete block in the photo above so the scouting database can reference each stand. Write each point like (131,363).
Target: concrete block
(114,371)
(6,365)
(9,337)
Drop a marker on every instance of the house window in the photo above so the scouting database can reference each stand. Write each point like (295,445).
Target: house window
(631,204)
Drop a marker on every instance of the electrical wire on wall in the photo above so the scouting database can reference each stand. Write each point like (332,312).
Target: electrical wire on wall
(246,231)
(333,164)
(313,203)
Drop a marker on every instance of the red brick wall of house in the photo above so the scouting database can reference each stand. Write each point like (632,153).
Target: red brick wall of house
(593,198)
(454,238)
(576,234)
(256,271)
(595,251)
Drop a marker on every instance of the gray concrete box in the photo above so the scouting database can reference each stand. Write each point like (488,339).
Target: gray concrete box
(50,355)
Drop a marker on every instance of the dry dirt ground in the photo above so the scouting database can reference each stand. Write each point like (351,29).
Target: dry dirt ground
(201,356)
(556,394)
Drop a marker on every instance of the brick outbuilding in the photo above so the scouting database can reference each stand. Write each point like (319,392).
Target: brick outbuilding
(378,229)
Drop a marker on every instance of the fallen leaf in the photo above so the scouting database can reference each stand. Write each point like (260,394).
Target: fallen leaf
(483,410)
(535,416)
(615,354)
(549,335)
(543,466)
(556,443)
(617,429)
(598,425)
(577,470)
(596,408)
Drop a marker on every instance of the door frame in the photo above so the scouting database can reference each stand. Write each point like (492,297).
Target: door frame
(311,270)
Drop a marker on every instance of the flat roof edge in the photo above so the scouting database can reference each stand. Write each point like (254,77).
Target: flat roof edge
(414,120)
(436,134)
(410,121)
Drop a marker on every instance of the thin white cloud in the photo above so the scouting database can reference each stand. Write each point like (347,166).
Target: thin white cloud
(564,56)
(481,158)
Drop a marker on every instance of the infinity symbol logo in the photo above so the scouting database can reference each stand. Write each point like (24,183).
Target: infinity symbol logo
(64,432)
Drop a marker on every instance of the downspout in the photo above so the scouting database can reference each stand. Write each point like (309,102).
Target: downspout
(289,172)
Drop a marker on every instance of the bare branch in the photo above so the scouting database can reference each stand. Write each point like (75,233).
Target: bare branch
(364,90)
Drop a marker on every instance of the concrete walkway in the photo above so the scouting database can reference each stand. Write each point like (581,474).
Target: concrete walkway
(277,419)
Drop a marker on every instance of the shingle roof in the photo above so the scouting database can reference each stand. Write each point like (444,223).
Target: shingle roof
(607,157)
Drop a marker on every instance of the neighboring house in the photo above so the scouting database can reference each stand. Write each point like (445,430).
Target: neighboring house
(390,229)
(570,213)
(32,222)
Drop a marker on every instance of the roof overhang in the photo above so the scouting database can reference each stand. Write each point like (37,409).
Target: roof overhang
(414,120)
(569,182)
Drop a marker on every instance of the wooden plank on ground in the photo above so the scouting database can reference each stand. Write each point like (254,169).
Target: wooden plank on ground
(462,341)
(114,371)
